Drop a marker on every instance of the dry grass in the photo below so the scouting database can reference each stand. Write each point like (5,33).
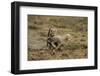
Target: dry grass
(50,55)
(37,35)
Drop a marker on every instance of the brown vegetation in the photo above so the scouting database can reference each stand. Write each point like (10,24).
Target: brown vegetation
(38,27)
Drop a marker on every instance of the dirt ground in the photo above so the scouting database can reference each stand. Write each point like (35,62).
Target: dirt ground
(38,27)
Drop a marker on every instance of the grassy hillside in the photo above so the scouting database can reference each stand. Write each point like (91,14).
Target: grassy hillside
(38,27)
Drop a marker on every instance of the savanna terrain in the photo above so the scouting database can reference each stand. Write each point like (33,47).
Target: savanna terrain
(38,27)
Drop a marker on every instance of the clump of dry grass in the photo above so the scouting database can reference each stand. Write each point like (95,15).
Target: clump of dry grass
(50,55)
(74,46)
